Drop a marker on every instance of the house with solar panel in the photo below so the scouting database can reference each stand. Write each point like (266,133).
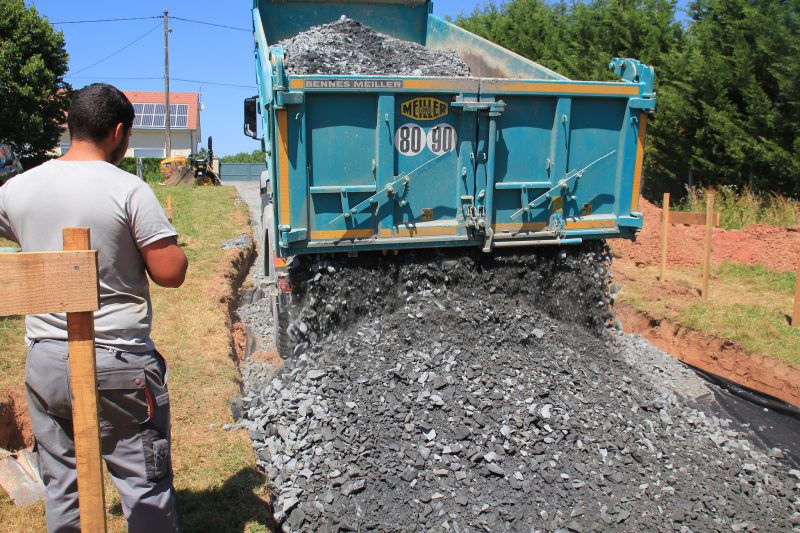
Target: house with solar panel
(148,138)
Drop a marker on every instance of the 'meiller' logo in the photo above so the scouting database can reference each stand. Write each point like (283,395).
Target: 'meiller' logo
(424,108)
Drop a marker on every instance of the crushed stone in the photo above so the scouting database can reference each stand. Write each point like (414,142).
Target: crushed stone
(237,243)
(454,391)
(347,47)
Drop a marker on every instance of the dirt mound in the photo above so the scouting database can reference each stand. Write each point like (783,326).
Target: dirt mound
(776,248)
(181,175)
(347,47)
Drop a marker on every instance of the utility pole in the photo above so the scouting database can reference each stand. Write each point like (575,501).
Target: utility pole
(168,151)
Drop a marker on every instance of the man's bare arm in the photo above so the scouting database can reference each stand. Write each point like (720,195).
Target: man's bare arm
(166,263)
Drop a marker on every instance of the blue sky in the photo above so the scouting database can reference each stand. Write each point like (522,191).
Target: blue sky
(197,52)
(201,57)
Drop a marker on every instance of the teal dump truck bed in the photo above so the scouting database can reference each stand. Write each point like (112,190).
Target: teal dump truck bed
(515,155)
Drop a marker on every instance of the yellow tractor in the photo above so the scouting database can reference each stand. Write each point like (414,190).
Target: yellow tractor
(192,170)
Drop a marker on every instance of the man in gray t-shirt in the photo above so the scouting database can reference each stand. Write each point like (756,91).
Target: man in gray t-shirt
(133,239)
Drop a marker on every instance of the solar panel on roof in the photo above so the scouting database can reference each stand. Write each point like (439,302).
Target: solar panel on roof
(151,115)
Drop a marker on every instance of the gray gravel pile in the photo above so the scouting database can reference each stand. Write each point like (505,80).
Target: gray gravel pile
(455,402)
(237,243)
(254,310)
(569,284)
(347,47)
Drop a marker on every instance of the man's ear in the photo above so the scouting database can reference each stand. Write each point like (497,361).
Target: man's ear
(119,132)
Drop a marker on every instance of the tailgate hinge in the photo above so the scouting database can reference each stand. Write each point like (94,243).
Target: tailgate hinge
(284,98)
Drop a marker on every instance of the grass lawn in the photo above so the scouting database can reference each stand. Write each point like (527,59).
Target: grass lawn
(749,305)
(219,490)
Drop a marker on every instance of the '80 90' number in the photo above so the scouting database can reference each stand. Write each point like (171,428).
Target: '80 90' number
(411,139)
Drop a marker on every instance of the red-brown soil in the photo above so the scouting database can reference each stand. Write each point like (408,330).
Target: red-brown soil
(271,357)
(238,340)
(776,248)
(15,424)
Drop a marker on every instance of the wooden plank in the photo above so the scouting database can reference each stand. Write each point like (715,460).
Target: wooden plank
(85,415)
(707,255)
(796,310)
(664,230)
(48,282)
(694,218)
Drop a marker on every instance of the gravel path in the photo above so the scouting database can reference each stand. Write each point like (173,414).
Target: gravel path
(347,47)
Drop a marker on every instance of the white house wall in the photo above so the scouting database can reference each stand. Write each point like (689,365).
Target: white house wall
(150,143)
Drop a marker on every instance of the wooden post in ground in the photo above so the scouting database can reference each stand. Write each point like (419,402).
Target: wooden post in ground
(709,229)
(85,413)
(66,282)
(168,209)
(796,310)
(664,231)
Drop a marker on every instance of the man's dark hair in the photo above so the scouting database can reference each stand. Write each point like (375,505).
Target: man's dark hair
(96,110)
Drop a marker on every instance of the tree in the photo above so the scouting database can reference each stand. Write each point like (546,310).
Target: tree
(728,82)
(744,71)
(578,39)
(33,93)
(256,156)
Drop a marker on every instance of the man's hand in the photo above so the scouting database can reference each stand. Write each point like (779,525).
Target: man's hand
(166,263)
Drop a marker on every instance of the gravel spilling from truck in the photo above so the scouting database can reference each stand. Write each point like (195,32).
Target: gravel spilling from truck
(437,392)
(347,47)
(451,390)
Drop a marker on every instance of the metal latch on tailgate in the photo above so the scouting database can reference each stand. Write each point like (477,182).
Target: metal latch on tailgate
(494,108)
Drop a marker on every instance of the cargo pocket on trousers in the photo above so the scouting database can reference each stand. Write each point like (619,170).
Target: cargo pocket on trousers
(156,456)
(122,397)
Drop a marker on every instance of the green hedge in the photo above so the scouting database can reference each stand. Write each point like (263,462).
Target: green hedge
(150,167)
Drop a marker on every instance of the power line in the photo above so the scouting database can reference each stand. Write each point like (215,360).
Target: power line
(148,32)
(102,20)
(148,18)
(215,83)
(204,82)
(118,77)
(212,24)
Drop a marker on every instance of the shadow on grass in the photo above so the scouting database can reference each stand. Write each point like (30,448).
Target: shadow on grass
(235,507)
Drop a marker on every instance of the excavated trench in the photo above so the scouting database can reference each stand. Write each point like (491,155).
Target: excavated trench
(717,357)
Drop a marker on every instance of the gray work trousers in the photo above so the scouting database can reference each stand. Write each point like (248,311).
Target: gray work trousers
(134,433)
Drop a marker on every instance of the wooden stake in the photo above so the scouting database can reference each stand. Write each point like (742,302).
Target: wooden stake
(85,419)
(796,311)
(709,228)
(168,209)
(664,231)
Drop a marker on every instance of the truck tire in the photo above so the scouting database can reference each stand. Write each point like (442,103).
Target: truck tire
(268,244)
(280,317)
